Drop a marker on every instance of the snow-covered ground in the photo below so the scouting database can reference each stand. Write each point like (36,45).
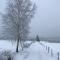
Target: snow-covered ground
(34,52)
(54,46)
(7,45)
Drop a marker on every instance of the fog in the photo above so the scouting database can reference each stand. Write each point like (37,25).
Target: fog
(46,22)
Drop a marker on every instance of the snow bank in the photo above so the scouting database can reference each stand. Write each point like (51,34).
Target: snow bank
(7,45)
(34,52)
(54,46)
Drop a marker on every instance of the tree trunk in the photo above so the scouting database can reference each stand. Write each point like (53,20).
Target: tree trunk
(17,46)
(17,39)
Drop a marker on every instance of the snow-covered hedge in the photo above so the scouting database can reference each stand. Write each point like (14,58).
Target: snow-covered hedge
(6,55)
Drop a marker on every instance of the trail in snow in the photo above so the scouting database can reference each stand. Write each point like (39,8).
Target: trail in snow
(35,52)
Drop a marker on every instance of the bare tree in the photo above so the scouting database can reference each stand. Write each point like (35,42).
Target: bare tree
(17,18)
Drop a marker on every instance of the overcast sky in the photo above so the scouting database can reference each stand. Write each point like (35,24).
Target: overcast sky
(46,22)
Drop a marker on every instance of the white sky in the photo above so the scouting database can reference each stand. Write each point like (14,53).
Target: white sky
(46,22)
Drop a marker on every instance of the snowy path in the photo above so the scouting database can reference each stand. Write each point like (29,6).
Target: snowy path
(35,52)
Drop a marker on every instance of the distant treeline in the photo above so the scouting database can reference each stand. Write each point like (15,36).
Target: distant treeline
(52,40)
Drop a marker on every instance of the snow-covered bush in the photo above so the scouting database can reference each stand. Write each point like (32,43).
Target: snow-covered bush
(6,55)
(27,44)
(3,57)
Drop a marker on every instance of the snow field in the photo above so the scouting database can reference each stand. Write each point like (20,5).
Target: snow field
(35,51)
(52,49)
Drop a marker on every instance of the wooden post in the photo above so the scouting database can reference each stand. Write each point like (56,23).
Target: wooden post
(48,49)
(9,58)
(51,52)
(58,55)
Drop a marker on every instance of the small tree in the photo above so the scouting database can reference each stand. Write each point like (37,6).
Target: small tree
(17,18)
(37,38)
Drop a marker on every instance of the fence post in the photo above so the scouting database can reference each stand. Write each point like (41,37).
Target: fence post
(58,55)
(9,58)
(51,52)
(48,49)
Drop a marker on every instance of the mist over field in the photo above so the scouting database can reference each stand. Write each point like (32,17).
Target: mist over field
(29,31)
(46,22)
